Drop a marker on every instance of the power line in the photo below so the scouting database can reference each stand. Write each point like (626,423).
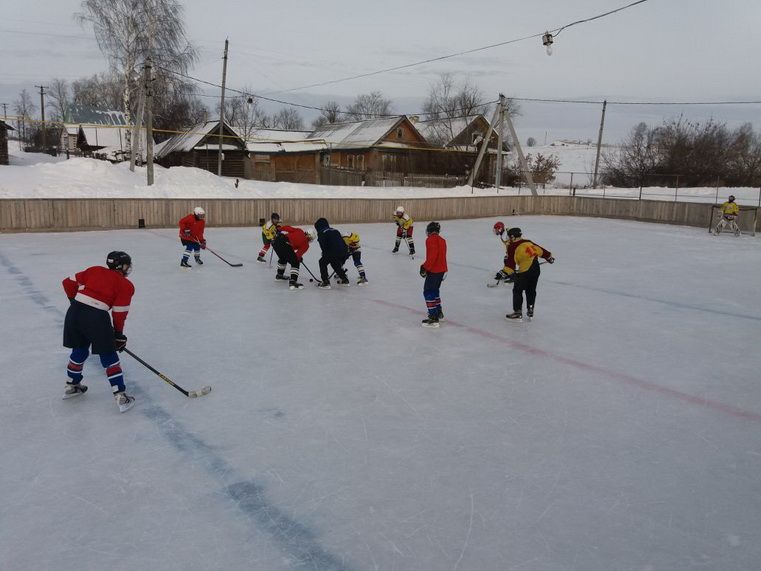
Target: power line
(556,31)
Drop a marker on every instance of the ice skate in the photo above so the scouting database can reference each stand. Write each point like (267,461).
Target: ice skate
(73,390)
(395,250)
(323,285)
(295,286)
(343,282)
(362,280)
(441,315)
(281,277)
(261,259)
(430,322)
(198,261)
(124,401)
(514,316)
(184,263)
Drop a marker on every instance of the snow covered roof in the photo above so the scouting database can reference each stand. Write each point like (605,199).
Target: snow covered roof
(84,114)
(193,137)
(5,125)
(105,136)
(361,134)
(449,128)
(278,135)
(269,148)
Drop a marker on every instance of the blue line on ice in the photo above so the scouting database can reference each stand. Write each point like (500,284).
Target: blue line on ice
(292,537)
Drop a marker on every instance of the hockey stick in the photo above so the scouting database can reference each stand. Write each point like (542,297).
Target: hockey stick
(191,394)
(225,261)
(310,271)
(272,251)
(497,283)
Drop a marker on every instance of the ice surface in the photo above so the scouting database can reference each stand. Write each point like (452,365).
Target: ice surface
(618,430)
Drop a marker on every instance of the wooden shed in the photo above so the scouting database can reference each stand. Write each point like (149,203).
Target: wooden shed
(199,147)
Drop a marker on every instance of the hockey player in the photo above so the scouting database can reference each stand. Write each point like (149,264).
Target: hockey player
(92,294)
(334,253)
(522,263)
(290,245)
(403,230)
(729,213)
(433,270)
(269,231)
(355,253)
(191,236)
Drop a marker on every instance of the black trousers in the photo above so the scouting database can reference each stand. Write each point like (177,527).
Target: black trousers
(285,253)
(526,282)
(85,326)
(336,264)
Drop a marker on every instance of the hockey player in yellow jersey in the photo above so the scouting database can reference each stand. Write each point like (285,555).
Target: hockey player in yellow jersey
(404,230)
(269,232)
(355,253)
(729,213)
(522,263)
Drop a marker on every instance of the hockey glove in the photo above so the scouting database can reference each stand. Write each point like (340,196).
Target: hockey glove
(550,260)
(423,273)
(203,244)
(120,341)
(502,275)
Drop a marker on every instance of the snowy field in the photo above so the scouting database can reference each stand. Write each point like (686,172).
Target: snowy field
(35,175)
(618,430)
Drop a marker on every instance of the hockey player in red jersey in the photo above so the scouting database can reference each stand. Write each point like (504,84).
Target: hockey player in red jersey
(433,270)
(191,236)
(290,246)
(93,293)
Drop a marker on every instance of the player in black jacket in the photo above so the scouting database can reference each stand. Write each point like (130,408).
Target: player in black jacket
(334,253)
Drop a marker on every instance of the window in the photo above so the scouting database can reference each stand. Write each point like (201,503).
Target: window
(399,133)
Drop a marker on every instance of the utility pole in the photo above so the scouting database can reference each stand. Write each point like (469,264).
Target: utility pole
(5,112)
(484,145)
(222,112)
(149,118)
(42,110)
(599,143)
(500,129)
(522,159)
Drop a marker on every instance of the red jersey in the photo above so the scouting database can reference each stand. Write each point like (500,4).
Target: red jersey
(104,289)
(297,238)
(435,254)
(195,226)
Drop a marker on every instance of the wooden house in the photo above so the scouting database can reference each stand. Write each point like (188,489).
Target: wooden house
(199,147)
(4,128)
(288,156)
(98,133)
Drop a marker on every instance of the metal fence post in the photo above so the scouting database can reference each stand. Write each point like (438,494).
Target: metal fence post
(571,186)
(676,188)
(717,190)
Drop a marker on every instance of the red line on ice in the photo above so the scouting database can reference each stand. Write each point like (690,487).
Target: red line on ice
(615,375)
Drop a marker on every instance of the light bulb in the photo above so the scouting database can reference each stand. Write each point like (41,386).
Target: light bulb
(549,49)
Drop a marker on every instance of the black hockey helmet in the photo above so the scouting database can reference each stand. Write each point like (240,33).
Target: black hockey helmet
(514,233)
(731,198)
(433,227)
(120,261)
(274,216)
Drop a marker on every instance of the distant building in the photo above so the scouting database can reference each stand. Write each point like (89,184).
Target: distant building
(98,133)
(199,147)
(4,128)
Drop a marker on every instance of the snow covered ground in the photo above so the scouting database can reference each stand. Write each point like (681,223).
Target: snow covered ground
(618,430)
(33,175)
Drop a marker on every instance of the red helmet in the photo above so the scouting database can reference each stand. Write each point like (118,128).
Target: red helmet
(499,227)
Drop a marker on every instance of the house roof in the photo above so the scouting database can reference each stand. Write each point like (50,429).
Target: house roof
(273,147)
(5,125)
(277,135)
(105,136)
(451,127)
(186,142)
(357,135)
(84,114)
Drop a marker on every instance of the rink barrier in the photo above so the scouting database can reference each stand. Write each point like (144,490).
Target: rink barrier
(70,214)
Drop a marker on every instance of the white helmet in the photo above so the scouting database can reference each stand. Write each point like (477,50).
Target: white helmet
(399,210)
(199,212)
(310,234)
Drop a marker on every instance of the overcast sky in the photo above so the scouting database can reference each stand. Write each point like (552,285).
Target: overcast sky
(694,50)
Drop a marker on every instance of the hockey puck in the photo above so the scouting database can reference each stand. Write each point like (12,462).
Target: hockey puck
(311,280)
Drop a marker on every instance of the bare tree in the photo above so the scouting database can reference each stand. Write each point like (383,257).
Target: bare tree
(449,106)
(130,31)
(24,107)
(531,142)
(369,106)
(245,114)
(100,91)
(330,113)
(288,118)
(58,99)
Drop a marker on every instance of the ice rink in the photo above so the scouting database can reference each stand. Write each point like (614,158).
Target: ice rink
(620,430)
